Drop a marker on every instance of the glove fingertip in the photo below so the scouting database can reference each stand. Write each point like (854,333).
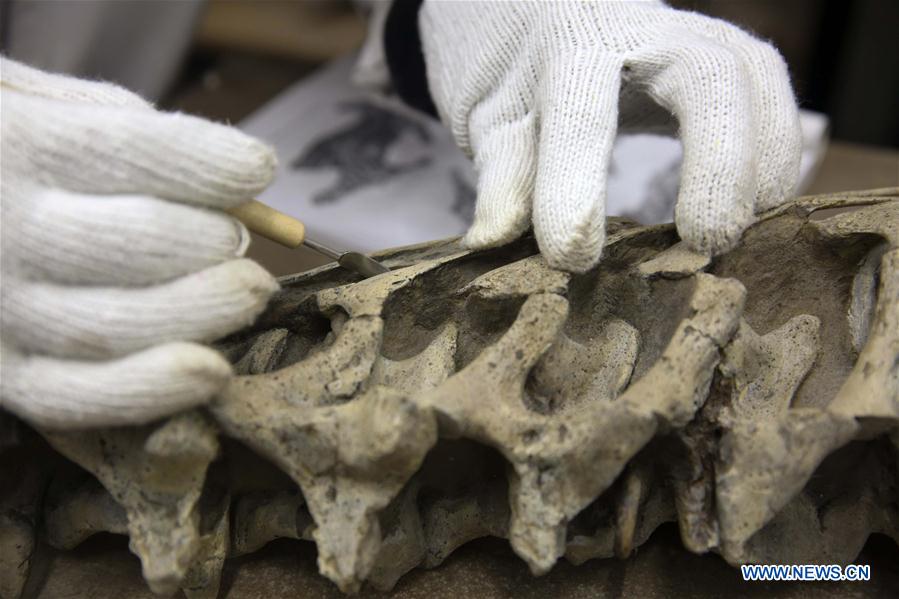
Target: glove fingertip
(255,278)
(261,161)
(483,235)
(251,287)
(201,368)
(500,218)
(571,234)
(578,253)
(246,167)
(223,165)
(711,236)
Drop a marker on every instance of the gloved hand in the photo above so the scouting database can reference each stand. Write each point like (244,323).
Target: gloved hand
(534,92)
(116,257)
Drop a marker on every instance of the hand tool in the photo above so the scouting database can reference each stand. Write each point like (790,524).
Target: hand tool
(291,233)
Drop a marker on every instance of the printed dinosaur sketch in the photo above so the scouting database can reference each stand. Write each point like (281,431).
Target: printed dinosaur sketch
(360,151)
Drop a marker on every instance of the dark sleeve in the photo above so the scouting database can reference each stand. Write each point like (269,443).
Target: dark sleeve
(405,59)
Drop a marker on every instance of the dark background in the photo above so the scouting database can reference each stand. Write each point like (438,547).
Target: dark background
(843,54)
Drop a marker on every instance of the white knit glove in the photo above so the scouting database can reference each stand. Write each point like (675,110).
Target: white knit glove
(115,254)
(534,92)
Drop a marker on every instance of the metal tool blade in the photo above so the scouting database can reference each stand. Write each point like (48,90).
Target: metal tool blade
(362,264)
(354,261)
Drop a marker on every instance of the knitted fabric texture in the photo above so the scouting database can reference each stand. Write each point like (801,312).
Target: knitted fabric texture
(535,92)
(117,260)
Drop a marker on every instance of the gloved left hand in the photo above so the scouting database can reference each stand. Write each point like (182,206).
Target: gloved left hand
(118,260)
(535,92)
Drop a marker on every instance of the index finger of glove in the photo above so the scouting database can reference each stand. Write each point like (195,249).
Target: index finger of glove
(120,240)
(123,150)
(579,116)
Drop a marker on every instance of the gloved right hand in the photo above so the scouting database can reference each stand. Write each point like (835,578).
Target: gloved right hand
(117,259)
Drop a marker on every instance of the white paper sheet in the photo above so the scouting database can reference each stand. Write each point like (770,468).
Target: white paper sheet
(365,172)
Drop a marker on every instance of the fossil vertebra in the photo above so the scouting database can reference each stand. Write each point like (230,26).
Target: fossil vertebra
(752,398)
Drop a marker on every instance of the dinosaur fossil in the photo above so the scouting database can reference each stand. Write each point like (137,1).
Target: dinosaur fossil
(752,398)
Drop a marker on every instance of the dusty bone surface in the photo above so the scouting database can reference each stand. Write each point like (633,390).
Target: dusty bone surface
(752,398)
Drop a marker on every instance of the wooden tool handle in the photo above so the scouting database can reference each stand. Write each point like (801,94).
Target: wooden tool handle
(271,224)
